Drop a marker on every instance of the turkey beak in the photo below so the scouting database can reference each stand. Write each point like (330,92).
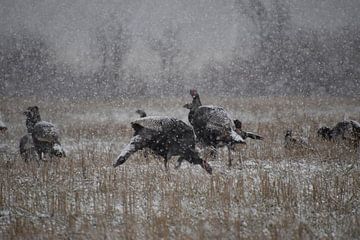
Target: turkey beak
(26,112)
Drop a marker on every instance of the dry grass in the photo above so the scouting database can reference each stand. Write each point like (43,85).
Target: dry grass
(269,193)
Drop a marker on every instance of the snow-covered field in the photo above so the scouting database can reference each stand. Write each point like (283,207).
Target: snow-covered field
(269,193)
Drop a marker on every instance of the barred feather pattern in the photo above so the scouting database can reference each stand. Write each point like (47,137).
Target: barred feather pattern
(157,123)
(216,117)
(166,137)
(213,119)
(46,132)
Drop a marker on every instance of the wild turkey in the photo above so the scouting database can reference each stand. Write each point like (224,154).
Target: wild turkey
(293,143)
(45,135)
(167,137)
(238,126)
(245,134)
(343,131)
(212,125)
(27,147)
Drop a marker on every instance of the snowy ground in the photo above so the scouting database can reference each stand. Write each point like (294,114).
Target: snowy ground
(269,193)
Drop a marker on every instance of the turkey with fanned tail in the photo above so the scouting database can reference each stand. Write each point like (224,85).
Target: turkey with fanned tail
(212,125)
(167,137)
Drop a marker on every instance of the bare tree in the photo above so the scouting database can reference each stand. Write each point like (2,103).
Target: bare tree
(271,23)
(26,64)
(168,47)
(112,44)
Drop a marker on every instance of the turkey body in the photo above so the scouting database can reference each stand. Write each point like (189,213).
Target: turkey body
(45,135)
(46,139)
(212,125)
(166,137)
(343,131)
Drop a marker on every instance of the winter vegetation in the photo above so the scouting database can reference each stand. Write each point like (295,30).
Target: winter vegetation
(283,76)
(270,192)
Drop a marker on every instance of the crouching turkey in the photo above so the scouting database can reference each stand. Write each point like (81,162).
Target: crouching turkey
(45,135)
(167,137)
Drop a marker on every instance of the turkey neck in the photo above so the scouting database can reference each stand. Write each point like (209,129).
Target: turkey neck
(30,122)
(196,103)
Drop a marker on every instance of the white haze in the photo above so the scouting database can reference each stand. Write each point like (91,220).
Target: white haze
(208,28)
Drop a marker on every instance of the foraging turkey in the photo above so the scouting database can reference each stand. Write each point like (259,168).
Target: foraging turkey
(45,135)
(27,147)
(343,131)
(167,137)
(292,142)
(212,125)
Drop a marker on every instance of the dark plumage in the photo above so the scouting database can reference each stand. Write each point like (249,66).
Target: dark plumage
(142,113)
(324,133)
(27,148)
(342,131)
(212,125)
(167,137)
(32,117)
(45,135)
(194,105)
(238,126)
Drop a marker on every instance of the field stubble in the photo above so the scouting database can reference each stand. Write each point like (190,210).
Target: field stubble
(269,193)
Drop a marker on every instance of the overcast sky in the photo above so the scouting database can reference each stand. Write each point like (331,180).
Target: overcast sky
(208,27)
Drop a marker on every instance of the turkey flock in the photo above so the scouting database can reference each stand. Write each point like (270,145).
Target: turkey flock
(210,127)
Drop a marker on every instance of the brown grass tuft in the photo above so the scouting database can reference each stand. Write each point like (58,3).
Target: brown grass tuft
(269,193)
